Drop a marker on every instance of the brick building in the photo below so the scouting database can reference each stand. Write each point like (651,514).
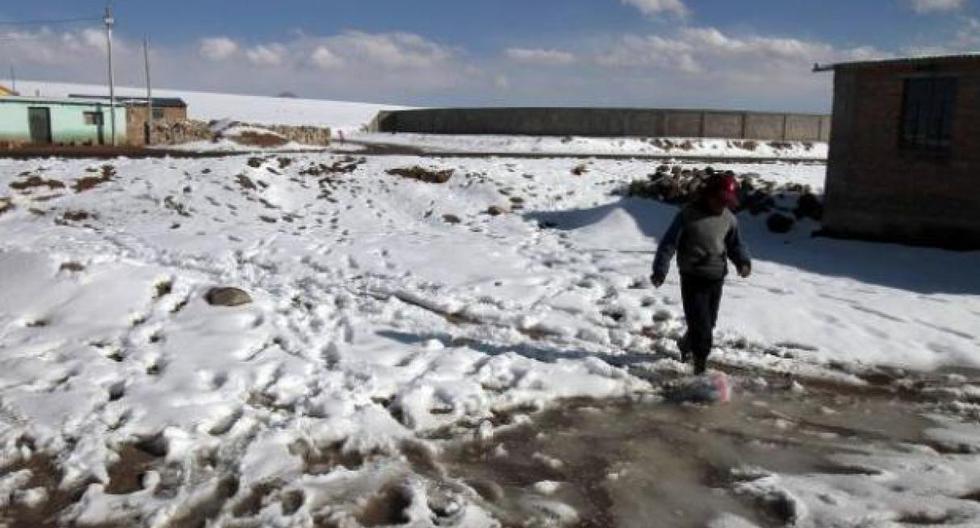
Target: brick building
(904,160)
(165,110)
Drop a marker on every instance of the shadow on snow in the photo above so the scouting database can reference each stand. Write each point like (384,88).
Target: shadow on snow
(921,270)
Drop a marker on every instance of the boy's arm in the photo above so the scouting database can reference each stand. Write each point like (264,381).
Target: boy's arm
(738,253)
(667,248)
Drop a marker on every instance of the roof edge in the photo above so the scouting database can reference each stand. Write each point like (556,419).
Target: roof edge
(817,68)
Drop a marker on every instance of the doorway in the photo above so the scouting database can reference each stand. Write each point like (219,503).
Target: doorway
(39,120)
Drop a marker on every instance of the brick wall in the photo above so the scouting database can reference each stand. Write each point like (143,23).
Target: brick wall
(876,189)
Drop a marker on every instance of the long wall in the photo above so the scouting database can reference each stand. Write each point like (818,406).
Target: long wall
(608,122)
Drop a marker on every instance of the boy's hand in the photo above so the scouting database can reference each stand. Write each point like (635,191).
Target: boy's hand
(745,271)
(657,280)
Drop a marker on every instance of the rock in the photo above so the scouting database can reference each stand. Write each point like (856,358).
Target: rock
(451,219)
(255,162)
(758,202)
(226,296)
(780,223)
(496,210)
(809,206)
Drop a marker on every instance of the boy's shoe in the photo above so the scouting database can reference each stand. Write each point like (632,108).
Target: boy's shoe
(685,348)
(700,366)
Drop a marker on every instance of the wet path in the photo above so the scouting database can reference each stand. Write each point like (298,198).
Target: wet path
(640,464)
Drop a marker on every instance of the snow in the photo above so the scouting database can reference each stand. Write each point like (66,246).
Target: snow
(678,148)
(374,321)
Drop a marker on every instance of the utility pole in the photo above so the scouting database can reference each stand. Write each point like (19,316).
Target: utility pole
(13,79)
(109,22)
(149,92)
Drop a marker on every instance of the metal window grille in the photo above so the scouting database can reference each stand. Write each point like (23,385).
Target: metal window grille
(927,114)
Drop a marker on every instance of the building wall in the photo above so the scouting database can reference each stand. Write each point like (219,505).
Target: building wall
(607,122)
(68,125)
(137,119)
(877,190)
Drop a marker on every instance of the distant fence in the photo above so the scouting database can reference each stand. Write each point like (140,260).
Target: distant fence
(607,122)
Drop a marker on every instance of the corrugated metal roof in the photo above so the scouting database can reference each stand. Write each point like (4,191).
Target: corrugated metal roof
(898,61)
(56,100)
(159,102)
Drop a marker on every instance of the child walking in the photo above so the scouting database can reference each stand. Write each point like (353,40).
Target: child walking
(704,235)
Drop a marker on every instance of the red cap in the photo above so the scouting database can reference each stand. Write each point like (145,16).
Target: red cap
(724,185)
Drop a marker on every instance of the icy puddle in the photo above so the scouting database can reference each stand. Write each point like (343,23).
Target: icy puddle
(666,465)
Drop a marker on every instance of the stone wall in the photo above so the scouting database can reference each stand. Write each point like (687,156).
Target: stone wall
(609,122)
(191,130)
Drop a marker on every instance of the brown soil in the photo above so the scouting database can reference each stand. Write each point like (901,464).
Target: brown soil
(422,174)
(36,181)
(90,182)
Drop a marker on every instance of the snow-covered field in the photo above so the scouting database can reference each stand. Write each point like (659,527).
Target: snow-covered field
(596,146)
(392,316)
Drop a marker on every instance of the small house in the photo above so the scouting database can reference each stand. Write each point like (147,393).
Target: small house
(904,161)
(59,121)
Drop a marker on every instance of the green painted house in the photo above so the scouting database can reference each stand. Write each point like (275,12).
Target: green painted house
(46,121)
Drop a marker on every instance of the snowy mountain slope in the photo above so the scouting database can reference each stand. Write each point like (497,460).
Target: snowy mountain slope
(339,115)
(388,314)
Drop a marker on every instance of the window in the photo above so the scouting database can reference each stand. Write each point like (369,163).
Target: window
(927,114)
(158,113)
(93,118)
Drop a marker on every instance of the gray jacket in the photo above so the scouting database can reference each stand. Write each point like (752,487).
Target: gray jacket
(703,243)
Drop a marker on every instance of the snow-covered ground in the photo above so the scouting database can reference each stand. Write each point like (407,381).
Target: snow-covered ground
(338,115)
(596,146)
(392,315)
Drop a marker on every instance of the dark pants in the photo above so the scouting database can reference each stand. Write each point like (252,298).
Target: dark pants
(702,298)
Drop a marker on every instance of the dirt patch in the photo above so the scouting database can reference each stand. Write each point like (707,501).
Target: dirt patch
(46,475)
(90,182)
(423,174)
(126,475)
(36,181)
(668,145)
(72,267)
(76,216)
(386,508)
(345,165)
(245,182)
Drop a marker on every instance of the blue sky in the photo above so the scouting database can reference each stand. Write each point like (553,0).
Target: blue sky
(442,52)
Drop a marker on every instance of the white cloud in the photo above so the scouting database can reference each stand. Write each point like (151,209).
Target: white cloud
(695,50)
(325,59)
(539,56)
(655,7)
(936,6)
(395,50)
(266,55)
(217,48)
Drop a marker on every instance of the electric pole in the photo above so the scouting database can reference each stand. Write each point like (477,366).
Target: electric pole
(149,92)
(109,22)
(13,79)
